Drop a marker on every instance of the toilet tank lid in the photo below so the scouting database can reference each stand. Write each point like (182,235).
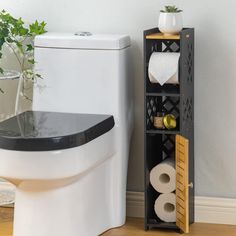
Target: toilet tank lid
(76,41)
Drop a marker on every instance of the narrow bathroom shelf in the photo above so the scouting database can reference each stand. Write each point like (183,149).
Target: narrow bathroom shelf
(175,99)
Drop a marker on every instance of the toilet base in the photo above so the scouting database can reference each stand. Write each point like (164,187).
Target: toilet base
(69,207)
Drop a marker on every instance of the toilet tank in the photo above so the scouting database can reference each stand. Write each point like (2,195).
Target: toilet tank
(83,74)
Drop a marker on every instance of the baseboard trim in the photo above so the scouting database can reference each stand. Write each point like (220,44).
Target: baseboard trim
(135,204)
(215,210)
(207,209)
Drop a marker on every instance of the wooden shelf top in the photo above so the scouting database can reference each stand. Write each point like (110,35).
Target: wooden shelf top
(162,36)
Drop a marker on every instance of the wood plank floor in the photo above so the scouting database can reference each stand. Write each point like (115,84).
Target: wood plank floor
(6,218)
(133,227)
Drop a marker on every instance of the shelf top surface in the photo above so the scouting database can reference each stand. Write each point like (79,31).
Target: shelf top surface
(162,36)
(161,94)
(162,131)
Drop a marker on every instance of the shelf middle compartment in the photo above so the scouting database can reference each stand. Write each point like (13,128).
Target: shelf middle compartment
(165,105)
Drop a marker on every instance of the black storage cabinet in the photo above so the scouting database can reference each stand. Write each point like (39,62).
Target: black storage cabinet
(172,99)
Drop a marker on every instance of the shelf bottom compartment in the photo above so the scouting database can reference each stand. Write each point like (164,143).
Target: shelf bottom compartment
(152,220)
(162,210)
(154,223)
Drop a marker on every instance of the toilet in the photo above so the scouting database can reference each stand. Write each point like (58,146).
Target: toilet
(68,157)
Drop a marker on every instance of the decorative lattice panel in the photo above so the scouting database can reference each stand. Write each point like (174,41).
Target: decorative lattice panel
(188,63)
(170,46)
(187,110)
(168,146)
(168,105)
(165,46)
(187,86)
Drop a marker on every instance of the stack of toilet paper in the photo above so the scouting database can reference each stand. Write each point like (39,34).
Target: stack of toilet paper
(162,178)
(163,68)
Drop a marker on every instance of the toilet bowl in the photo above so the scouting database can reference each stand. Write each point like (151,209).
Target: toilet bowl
(52,184)
(68,157)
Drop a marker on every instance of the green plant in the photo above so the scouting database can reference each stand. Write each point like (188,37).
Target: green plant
(19,39)
(171,9)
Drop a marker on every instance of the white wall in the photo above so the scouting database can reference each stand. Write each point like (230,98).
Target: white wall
(215,73)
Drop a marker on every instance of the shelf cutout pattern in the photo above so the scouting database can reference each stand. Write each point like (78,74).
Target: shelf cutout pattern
(188,110)
(170,46)
(156,104)
(168,146)
(188,63)
(165,46)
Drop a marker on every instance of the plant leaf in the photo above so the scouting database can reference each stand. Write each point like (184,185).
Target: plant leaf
(37,28)
(13,32)
(31,61)
(171,9)
(29,47)
(39,76)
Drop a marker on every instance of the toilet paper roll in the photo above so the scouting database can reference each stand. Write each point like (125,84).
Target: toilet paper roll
(163,176)
(164,68)
(173,80)
(165,207)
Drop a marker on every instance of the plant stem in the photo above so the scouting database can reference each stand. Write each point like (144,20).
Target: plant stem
(18,59)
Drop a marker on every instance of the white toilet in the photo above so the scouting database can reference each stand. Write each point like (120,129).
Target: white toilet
(68,157)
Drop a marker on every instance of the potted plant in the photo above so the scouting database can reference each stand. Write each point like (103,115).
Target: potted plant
(18,38)
(170,20)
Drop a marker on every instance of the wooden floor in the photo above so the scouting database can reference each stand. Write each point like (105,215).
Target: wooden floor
(6,218)
(133,227)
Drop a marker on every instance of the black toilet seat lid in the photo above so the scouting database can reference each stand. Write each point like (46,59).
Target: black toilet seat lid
(46,131)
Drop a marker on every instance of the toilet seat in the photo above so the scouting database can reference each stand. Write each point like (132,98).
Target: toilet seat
(47,131)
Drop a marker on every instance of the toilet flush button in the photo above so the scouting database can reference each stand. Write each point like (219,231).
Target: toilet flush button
(83,33)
